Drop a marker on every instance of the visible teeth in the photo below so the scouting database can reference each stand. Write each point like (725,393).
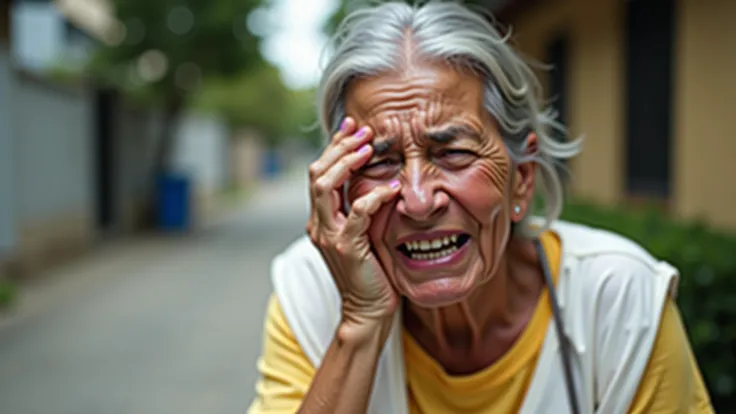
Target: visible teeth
(427,245)
(434,255)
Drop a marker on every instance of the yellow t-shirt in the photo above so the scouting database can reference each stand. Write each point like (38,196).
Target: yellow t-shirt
(671,381)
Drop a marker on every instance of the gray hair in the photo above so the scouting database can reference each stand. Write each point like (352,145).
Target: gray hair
(372,40)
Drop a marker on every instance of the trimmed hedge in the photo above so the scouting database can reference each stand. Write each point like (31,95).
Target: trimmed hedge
(706,260)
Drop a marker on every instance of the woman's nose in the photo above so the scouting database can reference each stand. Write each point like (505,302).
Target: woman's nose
(420,199)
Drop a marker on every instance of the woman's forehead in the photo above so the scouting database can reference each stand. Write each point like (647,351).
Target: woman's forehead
(425,93)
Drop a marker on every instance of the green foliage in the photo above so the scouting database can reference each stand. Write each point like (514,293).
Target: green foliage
(7,293)
(259,99)
(707,292)
(256,99)
(197,38)
(303,117)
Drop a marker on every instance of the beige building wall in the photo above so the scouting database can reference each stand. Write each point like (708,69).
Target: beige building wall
(704,91)
(705,108)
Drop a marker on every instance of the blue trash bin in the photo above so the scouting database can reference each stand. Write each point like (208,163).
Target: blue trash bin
(174,202)
(271,164)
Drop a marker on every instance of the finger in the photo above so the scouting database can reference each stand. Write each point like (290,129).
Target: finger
(361,211)
(347,127)
(337,149)
(327,195)
(339,173)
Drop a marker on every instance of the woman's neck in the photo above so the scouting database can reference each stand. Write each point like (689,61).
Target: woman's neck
(470,335)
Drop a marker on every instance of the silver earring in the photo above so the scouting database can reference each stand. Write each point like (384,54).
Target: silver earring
(517,209)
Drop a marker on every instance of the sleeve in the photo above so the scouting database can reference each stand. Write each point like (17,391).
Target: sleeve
(672,381)
(285,371)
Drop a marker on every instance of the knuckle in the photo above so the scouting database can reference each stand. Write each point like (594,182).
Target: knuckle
(343,248)
(314,170)
(313,237)
(361,207)
(323,241)
(320,187)
(345,144)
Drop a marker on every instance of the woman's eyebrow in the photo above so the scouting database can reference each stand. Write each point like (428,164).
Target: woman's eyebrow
(382,146)
(449,133)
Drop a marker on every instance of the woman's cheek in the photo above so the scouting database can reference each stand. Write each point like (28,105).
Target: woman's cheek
(477,191)
(358,187)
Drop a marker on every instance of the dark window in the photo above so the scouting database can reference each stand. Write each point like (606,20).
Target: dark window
(557,56)
(649,77)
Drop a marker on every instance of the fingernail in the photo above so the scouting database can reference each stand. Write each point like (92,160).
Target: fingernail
(363,131)
(364,149)
(394,184)
(344,125)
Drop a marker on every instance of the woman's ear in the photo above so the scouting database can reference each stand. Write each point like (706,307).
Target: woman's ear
(523,185)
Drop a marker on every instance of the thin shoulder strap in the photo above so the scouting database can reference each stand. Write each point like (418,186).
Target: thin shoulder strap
(560,328)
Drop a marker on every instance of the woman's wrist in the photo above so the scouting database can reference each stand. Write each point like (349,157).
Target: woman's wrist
(363,330)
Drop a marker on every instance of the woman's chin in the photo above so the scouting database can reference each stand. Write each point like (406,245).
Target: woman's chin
(439,292)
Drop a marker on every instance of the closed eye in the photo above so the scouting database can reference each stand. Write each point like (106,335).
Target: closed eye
(381,168)
(452,151)
(380,163)
(455,158)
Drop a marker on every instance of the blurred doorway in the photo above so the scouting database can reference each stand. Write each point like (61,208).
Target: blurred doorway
(650,33)
(104,159)
(558,57)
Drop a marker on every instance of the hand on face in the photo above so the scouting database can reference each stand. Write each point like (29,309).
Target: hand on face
(447,231)
(342,239)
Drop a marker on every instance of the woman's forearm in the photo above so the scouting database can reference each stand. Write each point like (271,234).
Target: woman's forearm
(344,380)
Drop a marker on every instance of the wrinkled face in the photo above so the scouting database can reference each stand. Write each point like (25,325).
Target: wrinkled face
(446,231)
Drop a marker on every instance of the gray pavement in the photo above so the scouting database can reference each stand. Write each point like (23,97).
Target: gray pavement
(154,324)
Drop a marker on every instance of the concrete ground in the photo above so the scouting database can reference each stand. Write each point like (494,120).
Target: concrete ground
(154,324)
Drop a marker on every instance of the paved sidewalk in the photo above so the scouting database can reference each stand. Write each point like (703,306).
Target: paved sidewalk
(152,324)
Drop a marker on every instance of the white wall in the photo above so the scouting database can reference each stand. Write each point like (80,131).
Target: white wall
(7,165)
(37,34)
(52,127)
(40,38)
(202,150)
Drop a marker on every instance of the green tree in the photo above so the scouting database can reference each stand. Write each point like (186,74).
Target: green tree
(260,100)
(163,50)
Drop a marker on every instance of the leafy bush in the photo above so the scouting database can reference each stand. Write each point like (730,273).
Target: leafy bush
(7,293)
(707,292)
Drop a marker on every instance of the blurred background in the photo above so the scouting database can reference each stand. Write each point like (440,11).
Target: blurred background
(153,157)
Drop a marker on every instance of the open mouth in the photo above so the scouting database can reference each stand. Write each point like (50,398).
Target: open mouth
(433,249)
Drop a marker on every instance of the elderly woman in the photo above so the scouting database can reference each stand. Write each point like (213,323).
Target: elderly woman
(424,285)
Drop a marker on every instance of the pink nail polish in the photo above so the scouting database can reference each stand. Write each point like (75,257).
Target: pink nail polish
(395,184)
(344,125)
(364,149)
(363,131)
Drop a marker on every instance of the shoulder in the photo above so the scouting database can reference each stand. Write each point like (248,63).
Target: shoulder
(609,280)
(307,295)
(598,256)
(613,293)
(581,241)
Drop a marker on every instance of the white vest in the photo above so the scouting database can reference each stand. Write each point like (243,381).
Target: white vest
(611,295)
